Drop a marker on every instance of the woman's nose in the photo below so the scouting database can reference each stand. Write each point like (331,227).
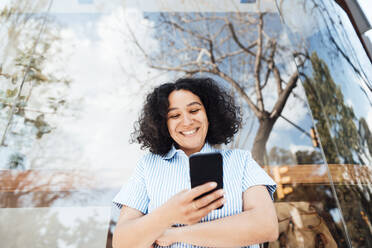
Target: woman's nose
(187,119)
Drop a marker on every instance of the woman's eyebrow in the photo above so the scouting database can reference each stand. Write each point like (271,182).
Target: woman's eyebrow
(188,105)
(193,103)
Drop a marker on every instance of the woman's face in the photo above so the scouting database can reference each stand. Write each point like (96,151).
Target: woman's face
(187,121)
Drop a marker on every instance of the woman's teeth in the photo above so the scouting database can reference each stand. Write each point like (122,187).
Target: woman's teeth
(189,132)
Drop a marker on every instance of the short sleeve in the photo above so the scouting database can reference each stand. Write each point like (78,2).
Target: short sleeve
(254,175)
(134,194)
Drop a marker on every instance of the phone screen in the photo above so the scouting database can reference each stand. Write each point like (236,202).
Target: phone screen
(206,167)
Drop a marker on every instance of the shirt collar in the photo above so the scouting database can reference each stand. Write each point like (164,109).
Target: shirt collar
(171,153)
(206,148)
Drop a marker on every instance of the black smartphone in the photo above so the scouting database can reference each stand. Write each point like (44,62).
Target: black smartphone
(206,167)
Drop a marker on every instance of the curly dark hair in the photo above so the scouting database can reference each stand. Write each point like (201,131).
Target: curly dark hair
(223,115)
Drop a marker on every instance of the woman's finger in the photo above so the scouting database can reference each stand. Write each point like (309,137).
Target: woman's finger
(162,243)
(206,200)
(217,203)
(199,190)
(196,216)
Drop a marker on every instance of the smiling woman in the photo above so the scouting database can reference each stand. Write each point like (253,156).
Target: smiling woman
(187,121)
(166,104)
(158,206)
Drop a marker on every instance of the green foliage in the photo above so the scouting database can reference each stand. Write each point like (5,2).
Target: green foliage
(344,139)
(11,93)
(27,50)
(16,161)
(365,134)
(309,157)
(335,121)
(280,156)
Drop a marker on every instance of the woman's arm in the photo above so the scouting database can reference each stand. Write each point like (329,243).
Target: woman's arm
(256,224)
(134,229)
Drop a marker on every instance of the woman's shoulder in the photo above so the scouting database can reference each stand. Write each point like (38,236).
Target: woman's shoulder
(149,160)
(235,153)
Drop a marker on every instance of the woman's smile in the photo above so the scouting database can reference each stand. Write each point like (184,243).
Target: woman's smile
(187,121)
(190,133)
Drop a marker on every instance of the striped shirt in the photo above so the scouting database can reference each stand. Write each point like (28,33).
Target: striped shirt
(157,178)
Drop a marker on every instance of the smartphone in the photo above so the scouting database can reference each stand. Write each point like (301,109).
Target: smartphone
(206,167)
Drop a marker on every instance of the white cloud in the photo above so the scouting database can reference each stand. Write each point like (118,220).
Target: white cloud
(295,148)
(109,82)
(295,108)
(349,103)
(366,7)
(301,17)
(369,118)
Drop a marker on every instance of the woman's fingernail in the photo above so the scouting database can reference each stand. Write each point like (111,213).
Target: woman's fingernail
(213,184)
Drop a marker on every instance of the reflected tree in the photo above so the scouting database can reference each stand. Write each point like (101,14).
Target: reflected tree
(48,227)
(342,143)
(85,233)
(356,208)
(34,188)
(281,156)
(321,197)
(309,157)
(334,35)
(46,231)
(365,135)
(335,121)
(240,49)
(28,44)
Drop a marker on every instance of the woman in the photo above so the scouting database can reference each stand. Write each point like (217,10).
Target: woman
(158,206)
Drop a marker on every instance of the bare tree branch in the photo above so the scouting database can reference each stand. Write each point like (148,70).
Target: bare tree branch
(186,30)
(213,60)
(279,105)
(247,68)
(240,90)
(237,41)
(257,65)
(229,55)
(271,63)
(219,32)
(267,75)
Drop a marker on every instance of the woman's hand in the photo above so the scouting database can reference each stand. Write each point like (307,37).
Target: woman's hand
(183,209)
(168,237)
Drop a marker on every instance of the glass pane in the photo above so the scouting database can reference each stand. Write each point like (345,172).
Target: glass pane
(277,122)
(21,24)
(337,80)
(48,185)
(91,69)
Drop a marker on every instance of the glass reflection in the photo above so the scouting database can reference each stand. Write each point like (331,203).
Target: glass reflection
(337,81)
(246,52)
(249,53)
(80,91)
(55,227)
(89,73)
(46,208)
(20,29)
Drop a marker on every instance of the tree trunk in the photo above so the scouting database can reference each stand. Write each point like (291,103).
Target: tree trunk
(263,133)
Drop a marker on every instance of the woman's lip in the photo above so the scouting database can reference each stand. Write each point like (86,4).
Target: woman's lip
(195,131)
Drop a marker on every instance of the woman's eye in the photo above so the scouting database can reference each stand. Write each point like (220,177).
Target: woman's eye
(194,110)
(174,116)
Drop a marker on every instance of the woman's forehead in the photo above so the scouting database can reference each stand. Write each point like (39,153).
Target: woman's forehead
(182,98)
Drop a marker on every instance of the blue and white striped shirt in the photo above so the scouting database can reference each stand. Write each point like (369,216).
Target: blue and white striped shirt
(157,178)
